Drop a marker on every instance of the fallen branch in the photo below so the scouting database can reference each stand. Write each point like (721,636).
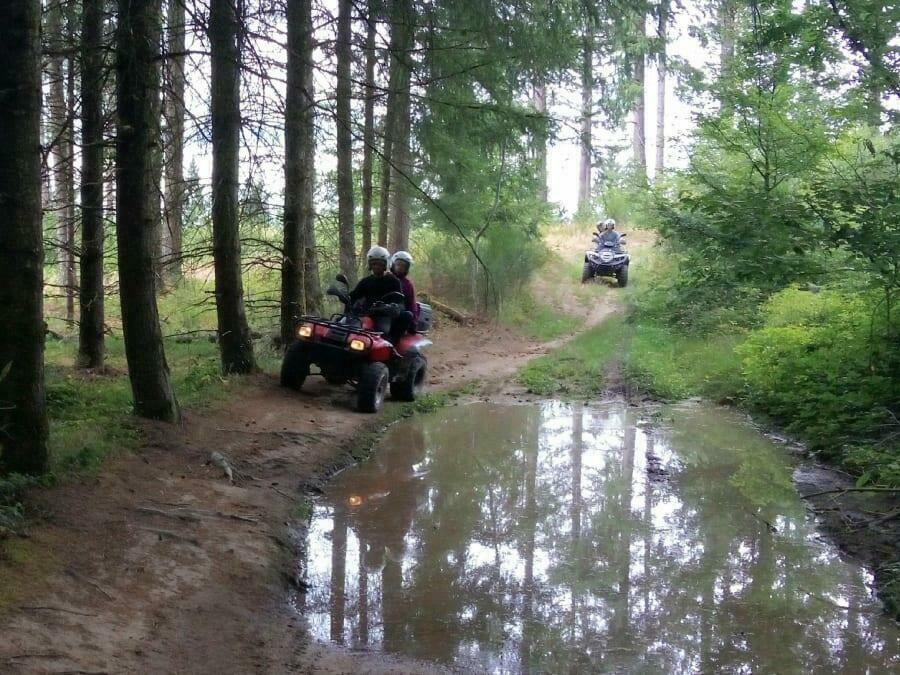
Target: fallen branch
(454,314)
(47,608)
(851,489)
(167,514)
(90,582)
(183,513)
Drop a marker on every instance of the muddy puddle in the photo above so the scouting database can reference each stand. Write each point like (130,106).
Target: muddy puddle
(567,538)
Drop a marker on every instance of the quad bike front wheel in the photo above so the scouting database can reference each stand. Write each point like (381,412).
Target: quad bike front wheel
(587,273)
(294,367)
(372,387)
(622,276)
(412,384)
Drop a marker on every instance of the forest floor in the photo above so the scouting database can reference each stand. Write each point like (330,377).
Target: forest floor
(159,563)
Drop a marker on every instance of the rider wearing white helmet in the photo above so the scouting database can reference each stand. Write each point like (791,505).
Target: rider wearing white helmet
(377,285)
(401,261)
(608,234)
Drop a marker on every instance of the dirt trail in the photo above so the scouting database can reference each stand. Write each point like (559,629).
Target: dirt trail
(161,564)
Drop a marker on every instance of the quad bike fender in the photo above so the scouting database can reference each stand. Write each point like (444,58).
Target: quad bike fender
(410,345)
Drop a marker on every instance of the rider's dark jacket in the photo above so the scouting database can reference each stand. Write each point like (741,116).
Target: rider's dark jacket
(372,288)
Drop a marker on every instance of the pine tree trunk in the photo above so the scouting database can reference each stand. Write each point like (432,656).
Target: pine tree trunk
(399,44)
(174,112)
(312,287)
(401,170)
(726,36)
(661,73)
(69,274)
(368,131)
(137,84)
(639,137)
(23,445)
(235,344)
(587,101)
(346,227)
(539,99)
(60,136)
(90,334)
(300,290)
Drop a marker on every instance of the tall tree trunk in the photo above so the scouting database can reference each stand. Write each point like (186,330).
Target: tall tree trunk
(587,102)
(60,132)
(235,344)
(70,276)
(726,36)
(401,37)
(368,130)
(137,84)
(90,334)
(23,419)
(346,226)
(401,170)
(639,137)
(539,99)
(173,113)
(300,291)
(661,73)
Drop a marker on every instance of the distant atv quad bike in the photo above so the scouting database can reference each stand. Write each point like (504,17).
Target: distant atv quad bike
(606,260)
(353,348)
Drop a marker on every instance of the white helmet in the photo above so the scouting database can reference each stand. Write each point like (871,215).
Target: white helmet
(402,255)
(378,253)
(609,224)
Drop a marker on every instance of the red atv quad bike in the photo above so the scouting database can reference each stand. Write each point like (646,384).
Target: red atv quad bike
(350,348)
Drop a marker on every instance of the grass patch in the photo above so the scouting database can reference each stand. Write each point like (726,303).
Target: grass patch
(673,366)
(577,368)
(537,320)
(24,565)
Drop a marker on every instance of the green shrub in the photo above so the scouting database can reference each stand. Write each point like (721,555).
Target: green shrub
(814,366)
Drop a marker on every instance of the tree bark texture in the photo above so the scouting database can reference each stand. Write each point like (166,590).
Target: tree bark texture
(61,137)
(70,273)
(173,113)
(23,420)
(368,130)
(137,86)
(401,162)
(587,101)
(300,289)
(235,344)
(346,225)
(398,81)
(639,135)
(539,99)
(661,74)
(90,332)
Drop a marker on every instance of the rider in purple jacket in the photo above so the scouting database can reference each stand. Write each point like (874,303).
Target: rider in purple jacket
(401,261)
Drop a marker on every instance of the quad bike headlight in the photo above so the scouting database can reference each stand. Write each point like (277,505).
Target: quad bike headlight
(357,345)
(305,331)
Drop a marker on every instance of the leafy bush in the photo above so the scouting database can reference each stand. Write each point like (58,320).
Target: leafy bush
(814,366)
(11,488)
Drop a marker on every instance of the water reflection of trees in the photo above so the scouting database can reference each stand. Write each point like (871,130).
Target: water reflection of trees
(537,541)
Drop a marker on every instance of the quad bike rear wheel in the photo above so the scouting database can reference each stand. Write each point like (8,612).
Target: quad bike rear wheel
(294,367)
(372,387)
(587,273)
(412,384)
(622,276)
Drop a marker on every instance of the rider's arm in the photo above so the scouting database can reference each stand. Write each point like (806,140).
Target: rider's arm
(411,304)
(360,290)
